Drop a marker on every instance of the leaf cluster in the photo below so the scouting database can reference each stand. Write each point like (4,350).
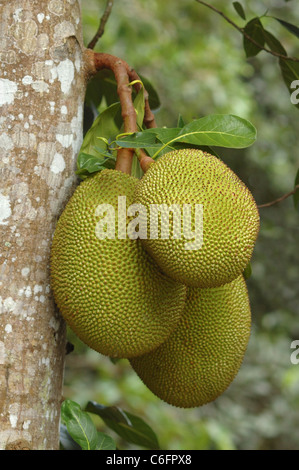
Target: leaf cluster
(78,431)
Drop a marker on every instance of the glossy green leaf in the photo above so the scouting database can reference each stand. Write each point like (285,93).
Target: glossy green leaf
(219,130)
(88,164)
(239,9)
(105,442)
(104,127)
(254,29)
(130,427)
(79,425)
(65,439)
(141,139)
(94,154)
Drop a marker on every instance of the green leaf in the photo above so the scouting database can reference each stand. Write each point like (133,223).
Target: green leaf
(296,195)
(289,69)
(66,441)
(102,85)
(105,127)
(130,427)
(94,154)
(79,425)
(105,442)
(141,139)
(139,107)
(290,27)
(290,73)
(254,29)
(88,164)
(274,43)
(239,9)
(181,122)
(219,130)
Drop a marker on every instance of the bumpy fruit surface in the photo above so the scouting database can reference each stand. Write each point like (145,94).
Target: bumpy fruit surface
(110,291)
(230,218)
(202,356)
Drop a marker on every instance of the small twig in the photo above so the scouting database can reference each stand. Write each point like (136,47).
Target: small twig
(241,30)
(280,199)
(102,25)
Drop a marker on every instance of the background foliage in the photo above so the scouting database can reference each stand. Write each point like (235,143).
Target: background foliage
(197,63)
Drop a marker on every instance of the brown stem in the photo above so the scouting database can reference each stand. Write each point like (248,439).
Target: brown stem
(149,118)
(241,30)
(124,74)
(280,199)
(97,61)
(102,25)
(120,69)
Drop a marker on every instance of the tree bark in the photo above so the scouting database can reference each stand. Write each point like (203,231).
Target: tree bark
(42,89)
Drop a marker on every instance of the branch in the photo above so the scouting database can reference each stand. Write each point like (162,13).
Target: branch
(124,91)
(96,61)
(241,30)
(280,199)
(102,25)
(124,74)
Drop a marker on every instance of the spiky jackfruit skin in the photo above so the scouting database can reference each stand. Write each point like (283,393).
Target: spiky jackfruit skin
(230,217)
(110,292)
(201,357)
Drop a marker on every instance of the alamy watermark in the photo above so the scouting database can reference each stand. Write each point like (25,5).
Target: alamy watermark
(295,94)
(186,223)
(295,354)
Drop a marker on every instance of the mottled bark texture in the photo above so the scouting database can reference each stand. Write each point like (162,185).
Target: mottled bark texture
(42,90)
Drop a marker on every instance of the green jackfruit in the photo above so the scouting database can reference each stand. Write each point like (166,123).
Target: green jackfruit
(229,224)
(201,357)
(110,291)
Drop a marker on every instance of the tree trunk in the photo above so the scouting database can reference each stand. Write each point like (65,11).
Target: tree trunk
(42,89)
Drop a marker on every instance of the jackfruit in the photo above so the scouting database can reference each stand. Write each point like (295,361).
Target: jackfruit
(201,357)
(110,292)
(224,229)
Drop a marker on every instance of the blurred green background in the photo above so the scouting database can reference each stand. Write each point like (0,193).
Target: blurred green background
(197,64)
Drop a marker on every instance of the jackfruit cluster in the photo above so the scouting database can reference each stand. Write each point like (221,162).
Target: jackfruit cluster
(181,316)
(110,291)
